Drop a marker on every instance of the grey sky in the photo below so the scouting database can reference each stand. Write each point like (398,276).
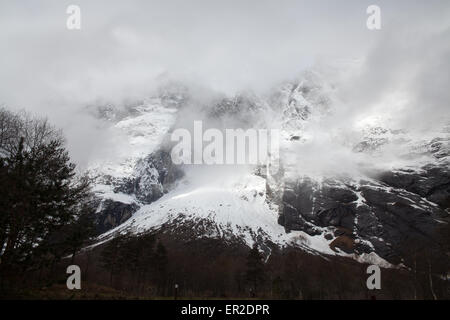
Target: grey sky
(224,45)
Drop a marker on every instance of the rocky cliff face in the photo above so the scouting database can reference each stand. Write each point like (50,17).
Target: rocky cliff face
(361,217)
(140,170)
(372,212)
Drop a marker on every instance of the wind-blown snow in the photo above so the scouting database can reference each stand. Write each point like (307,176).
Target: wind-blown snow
(107,192)
(233,207)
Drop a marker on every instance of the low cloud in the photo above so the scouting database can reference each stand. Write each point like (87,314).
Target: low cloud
(125,49)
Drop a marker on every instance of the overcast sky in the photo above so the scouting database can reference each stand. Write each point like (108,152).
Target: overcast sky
(229,46)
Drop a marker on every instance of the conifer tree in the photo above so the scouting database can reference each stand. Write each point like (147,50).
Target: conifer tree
(161,262)
(41,194)
(255,273)
(111,258)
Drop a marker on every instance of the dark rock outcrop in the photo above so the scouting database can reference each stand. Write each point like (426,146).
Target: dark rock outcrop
(154,175)
(113,213)
(433,183)
(364,216)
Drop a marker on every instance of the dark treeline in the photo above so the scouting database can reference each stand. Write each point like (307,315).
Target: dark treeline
(209,268)
(137,264)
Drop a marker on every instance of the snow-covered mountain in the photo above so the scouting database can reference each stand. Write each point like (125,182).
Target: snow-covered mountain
(342,189)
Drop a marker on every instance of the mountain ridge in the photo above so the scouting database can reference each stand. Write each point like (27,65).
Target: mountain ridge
(367,212)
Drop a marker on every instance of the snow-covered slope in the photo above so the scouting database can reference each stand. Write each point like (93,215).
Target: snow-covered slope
(235,211)
(125,178)
(141,131)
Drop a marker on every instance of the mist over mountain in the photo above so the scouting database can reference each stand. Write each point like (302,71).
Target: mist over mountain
(360,189)
(121,54)
(363,169)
